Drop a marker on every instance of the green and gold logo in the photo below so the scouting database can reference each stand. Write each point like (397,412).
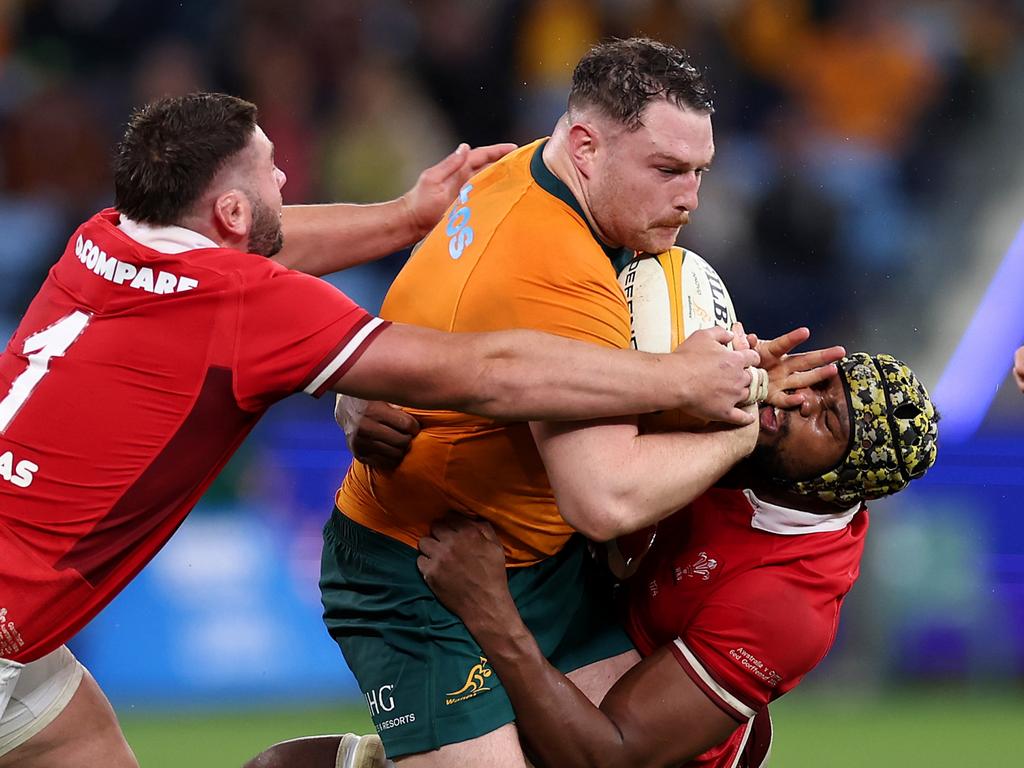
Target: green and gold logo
(476,683)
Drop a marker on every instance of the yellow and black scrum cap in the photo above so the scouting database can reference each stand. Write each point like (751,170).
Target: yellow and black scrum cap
(893,432)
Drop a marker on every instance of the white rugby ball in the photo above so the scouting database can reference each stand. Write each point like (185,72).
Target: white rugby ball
(670,296)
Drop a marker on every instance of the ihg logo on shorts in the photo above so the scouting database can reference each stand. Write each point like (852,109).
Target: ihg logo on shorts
(382,700)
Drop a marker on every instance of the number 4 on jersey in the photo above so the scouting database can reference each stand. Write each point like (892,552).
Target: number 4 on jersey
(40,348)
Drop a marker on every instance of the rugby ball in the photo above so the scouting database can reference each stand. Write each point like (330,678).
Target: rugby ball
(670,296)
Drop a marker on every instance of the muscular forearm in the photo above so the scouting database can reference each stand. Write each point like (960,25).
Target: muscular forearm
(560,724)
(531,372)
(320,239)
(665,472)
(608,480)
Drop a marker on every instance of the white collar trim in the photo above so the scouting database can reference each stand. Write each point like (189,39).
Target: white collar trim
(169,239)
(787,521)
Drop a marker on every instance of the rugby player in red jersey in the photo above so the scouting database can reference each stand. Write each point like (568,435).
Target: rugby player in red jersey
(737,598)
(730,601)
(162,335)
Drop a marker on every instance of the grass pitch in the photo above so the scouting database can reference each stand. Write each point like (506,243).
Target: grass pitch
(931,728)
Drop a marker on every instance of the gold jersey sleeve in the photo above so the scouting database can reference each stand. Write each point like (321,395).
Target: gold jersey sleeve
(509,254)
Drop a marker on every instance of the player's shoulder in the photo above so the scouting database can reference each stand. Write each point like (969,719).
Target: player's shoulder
(522,196)
(506,222)
(104,266)
(102,238)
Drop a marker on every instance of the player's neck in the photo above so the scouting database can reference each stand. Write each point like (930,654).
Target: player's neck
(557,159)
(743,476)
(208,228)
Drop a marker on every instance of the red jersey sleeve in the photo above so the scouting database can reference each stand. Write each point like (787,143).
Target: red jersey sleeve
(296,332)
(754,641)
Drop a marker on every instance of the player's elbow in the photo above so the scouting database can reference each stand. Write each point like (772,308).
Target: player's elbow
(603,513)
(599,519)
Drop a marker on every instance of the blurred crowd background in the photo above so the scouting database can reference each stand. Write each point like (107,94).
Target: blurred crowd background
(868,183)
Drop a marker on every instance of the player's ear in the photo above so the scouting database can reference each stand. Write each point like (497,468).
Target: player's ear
(583,144)
(233,213)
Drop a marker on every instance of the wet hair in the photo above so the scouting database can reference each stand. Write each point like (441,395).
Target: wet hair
(621,77)
(172,149)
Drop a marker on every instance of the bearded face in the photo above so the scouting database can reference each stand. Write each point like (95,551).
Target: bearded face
(266,237)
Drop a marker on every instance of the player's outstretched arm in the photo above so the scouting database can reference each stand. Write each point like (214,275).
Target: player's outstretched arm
(531,376)
(320,239)
(654,715)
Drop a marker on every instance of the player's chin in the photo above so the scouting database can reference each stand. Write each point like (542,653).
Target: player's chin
(659,239)
(768,439)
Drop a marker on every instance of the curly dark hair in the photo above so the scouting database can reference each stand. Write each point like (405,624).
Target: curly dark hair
(171,150)
(621,77)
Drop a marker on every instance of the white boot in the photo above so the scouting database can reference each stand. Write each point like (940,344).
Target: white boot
(357,751)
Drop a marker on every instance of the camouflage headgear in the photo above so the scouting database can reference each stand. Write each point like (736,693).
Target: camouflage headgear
(893,432)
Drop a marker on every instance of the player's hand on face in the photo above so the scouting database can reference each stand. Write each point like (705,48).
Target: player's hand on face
(790,372)
(463,562)
(437,186)
(716,376)
(382,435)
(1018,368)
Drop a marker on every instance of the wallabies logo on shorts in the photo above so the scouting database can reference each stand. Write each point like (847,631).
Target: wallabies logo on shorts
(476,683)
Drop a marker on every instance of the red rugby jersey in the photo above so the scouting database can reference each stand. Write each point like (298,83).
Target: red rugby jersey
(132,378)
(747,595)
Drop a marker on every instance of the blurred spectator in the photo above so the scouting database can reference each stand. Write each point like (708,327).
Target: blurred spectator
(172,67)
(278,77)
(382,135)
(554,34)
(464,56)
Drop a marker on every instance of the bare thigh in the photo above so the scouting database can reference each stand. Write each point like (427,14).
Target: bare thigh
(497,749)
(595,680)
(85,735)
(501,748)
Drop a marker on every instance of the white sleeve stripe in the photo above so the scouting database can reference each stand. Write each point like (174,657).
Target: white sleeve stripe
(709,681)
(346,352)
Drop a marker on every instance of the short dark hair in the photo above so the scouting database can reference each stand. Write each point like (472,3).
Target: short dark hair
(621,77)
(171,150)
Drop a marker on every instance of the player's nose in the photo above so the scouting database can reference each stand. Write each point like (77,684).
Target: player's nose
(686,198)
(811,401)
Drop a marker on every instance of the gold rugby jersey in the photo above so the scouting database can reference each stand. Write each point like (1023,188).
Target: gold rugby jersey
(513,251)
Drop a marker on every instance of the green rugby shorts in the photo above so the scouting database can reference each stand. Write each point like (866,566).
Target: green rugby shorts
(425,680)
